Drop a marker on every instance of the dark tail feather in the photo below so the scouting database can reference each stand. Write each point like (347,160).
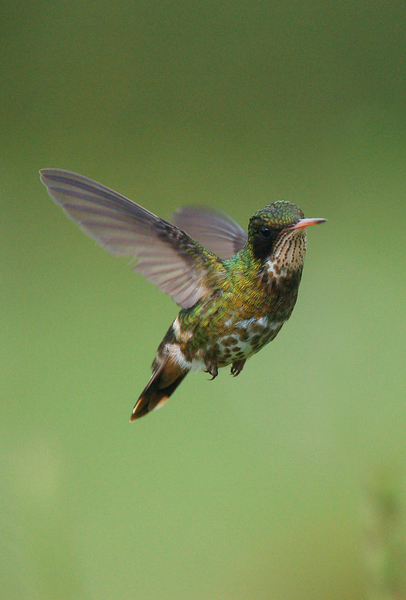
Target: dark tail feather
(164,381)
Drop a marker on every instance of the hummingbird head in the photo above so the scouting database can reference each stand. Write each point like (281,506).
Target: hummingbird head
(277,233)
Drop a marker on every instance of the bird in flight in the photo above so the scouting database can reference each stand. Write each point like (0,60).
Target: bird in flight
(235,290)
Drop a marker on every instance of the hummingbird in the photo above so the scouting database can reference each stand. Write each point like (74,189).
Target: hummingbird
(235,290)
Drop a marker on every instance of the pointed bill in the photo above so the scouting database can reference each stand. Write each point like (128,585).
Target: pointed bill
(167,256)
(307,222)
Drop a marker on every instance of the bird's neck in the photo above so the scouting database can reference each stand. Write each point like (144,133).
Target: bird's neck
(268,286)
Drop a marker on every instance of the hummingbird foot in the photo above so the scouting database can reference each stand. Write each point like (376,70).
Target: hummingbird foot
(213,369)
(237,367)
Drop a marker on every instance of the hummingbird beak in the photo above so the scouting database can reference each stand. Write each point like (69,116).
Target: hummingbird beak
(307,222)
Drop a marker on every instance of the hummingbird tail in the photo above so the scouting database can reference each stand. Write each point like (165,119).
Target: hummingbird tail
(164,380)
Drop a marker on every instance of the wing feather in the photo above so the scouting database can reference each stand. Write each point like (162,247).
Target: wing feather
(167,256)
(214,229)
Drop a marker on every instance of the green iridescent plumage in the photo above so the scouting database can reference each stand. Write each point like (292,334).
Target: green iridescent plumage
(235,291)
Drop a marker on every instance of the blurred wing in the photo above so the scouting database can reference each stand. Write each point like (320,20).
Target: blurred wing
(213,229)
(167,256)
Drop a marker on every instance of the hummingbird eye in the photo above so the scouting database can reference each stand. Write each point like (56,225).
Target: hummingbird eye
(265,232)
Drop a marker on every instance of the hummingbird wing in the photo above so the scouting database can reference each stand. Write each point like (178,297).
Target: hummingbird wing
(167,256)
(214,229)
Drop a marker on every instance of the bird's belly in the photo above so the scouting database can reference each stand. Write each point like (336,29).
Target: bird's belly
(245,338)
(222,344)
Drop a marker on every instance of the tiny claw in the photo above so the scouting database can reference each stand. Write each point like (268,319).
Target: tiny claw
(213,370)
(237,367)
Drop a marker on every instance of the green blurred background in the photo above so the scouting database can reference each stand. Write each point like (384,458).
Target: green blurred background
(288,482)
